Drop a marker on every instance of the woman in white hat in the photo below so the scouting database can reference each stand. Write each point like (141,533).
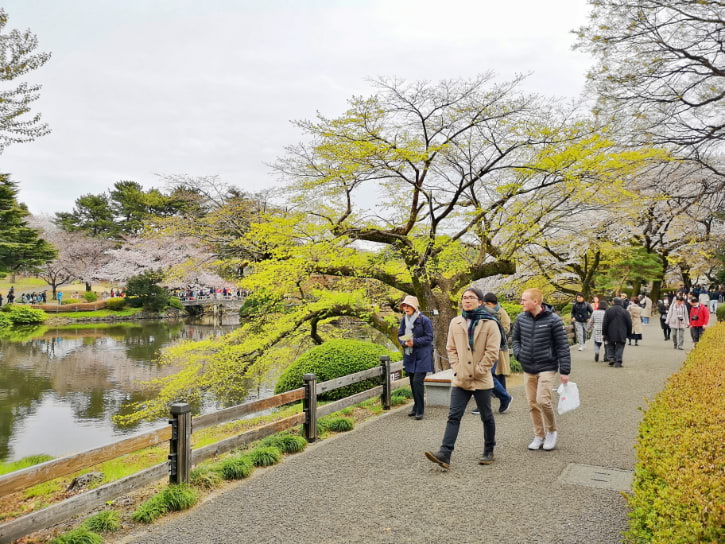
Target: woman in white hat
(416,337)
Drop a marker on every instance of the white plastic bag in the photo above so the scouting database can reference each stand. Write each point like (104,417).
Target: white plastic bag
(568,397)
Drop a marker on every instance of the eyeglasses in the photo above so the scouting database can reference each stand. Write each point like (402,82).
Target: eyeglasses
(469,298)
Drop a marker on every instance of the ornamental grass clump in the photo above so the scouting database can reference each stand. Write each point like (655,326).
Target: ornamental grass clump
(285,442)
(265,456)
(150,510)
(236,468)
(337,424)
(404,392)
(107,521)
(180,497)
(678,492)
(81,535)
(205,477)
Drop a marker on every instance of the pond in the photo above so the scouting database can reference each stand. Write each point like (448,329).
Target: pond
(60,388)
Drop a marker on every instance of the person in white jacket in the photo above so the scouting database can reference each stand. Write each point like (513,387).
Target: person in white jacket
(678,320)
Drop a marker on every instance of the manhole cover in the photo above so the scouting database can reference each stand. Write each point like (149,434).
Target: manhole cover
(601,477)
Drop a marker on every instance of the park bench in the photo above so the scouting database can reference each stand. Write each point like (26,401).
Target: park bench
(438,388)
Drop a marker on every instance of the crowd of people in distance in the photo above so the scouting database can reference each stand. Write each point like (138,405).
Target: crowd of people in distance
(208,292)
(24,298)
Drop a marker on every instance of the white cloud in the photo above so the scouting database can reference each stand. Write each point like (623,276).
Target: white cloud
(137,87)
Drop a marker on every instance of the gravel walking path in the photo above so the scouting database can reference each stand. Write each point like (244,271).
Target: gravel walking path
(373,485)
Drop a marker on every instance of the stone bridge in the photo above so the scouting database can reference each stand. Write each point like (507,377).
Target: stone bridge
(214,304)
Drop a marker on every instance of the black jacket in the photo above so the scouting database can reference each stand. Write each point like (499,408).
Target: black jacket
(581,311)
(617,324)
(540,343)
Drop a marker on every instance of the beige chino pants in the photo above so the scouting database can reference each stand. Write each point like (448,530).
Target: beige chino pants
(538,393)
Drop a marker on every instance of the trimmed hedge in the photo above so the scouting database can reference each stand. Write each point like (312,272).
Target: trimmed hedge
(720,313)
(90,296)
(332,360)
(116,303)
(678,491)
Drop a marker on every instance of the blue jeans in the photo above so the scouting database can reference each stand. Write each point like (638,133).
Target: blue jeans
(459,401)
(499,390)
(645,320)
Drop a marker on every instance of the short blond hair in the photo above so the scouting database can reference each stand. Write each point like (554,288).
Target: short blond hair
(535,294)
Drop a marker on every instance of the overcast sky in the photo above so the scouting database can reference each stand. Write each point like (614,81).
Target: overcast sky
(137,88)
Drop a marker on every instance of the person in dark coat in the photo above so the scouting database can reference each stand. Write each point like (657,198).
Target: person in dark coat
(541,346)
(416,337)
(616,328)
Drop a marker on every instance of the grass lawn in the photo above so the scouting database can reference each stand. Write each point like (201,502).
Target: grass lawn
(29,284)
(96,313)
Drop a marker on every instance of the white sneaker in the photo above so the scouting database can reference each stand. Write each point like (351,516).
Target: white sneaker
(536,443)
(581,348)
(550,440)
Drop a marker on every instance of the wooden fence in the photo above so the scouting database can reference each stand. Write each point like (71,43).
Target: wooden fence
(181,455)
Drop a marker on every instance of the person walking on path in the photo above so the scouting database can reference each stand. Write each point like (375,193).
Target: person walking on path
(714,295)
(635,313)
(502,368)
(595,327)
(473,346)
(416,337)
(663,307)
(678,319)
(646,304)
(581,311)
(616,328)
(699,317)
(541,346)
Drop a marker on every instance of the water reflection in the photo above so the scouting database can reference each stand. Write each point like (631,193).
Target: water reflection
(59,388)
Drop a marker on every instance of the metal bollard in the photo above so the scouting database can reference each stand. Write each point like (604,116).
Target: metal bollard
(309,406)
(387,383)
(180,443)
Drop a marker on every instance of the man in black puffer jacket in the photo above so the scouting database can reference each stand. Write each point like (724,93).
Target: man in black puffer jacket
(541,346)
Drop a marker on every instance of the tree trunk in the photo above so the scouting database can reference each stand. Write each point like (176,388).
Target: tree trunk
(88,286)
(440,328)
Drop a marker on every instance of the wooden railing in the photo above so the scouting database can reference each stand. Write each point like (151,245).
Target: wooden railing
(44,472)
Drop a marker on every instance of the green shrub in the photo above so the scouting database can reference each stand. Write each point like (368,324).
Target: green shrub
(337,424)
(334,359)
(678,492)
(397,400)
(180,497)
(515,365)
(513,309)
(265,456)
(145,287)
(236,468)
(90,296)
(107,521)
(150,510)
(116,303)
(22,315)
(286,442)
(174,302)
(7,308)
(404,392)
(5,321)
(65,301)
(720,312)
(81,535)
(205,477)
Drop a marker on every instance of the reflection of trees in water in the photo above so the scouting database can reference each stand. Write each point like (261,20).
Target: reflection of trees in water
(20,390)
(97,372)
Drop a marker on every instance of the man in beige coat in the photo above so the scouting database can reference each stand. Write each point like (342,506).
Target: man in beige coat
(473,346)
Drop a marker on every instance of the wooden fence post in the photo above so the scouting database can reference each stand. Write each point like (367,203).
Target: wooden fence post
(180,443)
(387,382)
(309,405)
